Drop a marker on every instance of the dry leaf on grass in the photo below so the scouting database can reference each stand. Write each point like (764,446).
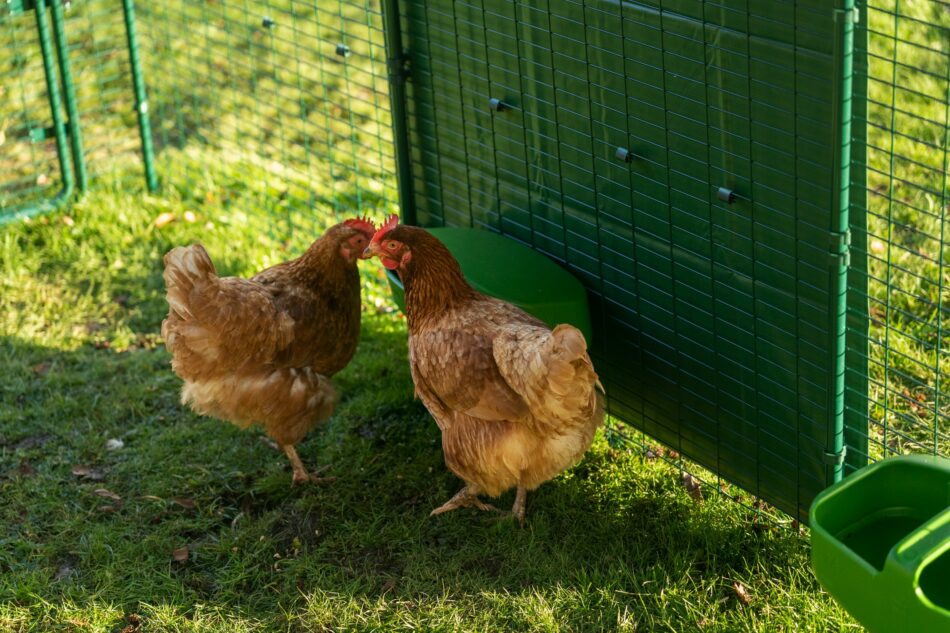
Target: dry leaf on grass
(270,443)
(114,444)
(184,502)
(108,494)
(742,593)
(190,216)
(134,625)
(64,570)
(180,555)
(40,369)
(163,219)
(693,487)
(87,472)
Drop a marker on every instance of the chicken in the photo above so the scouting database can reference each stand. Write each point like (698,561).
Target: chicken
(262,350)
(517,403)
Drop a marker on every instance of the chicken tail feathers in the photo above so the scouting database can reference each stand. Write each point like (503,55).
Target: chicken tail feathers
(186,267)
(551,370)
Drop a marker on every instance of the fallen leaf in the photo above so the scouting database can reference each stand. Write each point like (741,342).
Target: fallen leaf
(108,494)
(163,219)
(134,625)
(64,570)
(40,369)
(184,502)
(31,441)
(741,593)
(181,554)
(672,454)
(114,444)
(87,472)
(150,498)
(190,216)
(108,509)
(68,221)
(693,487)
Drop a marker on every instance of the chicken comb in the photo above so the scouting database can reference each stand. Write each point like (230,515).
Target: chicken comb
(391,223)
(363,224)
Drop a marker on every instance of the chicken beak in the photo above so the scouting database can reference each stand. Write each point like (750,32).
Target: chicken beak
(369,251)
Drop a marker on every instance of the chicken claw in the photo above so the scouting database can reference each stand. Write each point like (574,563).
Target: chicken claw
(464,498)
(301,476)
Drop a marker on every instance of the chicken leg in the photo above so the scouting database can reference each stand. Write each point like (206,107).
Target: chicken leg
(300,472)
(517,510)
(464,498)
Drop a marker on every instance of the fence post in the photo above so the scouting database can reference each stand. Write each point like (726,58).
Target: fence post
(396,62)
(141,100)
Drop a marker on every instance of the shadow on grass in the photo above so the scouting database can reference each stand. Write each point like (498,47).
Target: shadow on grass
(85,522)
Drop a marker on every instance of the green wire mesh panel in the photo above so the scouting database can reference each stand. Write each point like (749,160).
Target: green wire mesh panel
(29,167)
(294,92)
(714,311)
(905,288)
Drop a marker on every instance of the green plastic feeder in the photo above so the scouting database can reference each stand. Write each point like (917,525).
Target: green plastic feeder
(503,268)
(881,544)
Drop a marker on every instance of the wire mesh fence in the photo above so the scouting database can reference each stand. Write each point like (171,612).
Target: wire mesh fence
(298,94)
(29,165)
(905,289)
(297,88)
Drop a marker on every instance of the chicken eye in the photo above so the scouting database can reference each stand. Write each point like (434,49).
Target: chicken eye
(391,245)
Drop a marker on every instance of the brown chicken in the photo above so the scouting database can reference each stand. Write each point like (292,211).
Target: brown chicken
(517,403)
(262,350)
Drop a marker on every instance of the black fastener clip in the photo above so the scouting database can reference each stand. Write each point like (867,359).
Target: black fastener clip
(497,105)
(726,195)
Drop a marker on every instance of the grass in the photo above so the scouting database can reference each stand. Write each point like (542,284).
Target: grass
(616,543)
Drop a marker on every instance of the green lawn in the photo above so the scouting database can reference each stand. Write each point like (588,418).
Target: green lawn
(191,524)
(89,534)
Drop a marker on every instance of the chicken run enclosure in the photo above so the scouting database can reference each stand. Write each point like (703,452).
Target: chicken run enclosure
(753,192)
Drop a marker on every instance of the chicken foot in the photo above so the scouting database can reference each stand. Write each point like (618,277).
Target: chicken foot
(300,472)
(464,498)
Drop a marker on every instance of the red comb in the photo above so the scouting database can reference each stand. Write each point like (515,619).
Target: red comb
(391,223)
(361,224)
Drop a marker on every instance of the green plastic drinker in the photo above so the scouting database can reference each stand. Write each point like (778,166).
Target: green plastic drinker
(503,268)
(880,544)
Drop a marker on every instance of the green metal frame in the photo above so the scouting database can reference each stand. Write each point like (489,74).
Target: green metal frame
(141,99)
(47,45)
(844,57)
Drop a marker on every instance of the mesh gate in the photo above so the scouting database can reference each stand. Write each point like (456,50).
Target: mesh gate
(903,289)
(682,158)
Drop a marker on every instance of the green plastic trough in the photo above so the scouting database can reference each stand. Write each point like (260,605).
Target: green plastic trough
(881,544)
(503,268)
